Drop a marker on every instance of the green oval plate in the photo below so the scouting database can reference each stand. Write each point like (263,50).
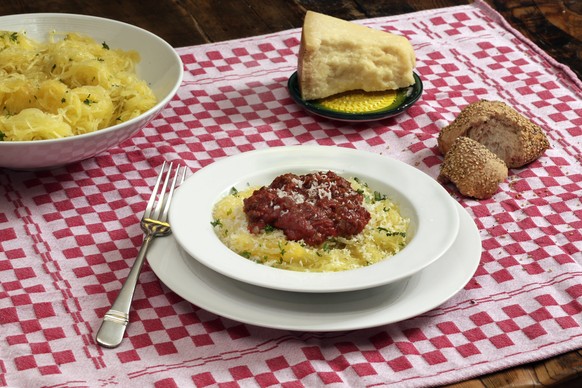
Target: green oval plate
(359,105)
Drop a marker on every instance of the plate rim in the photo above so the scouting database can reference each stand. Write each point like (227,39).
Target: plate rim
(200,241)
(166,258)
(416,91)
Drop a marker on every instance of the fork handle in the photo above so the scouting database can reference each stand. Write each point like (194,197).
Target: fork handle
(115,321)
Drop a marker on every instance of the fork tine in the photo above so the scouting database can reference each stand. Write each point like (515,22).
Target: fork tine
(158,209)
(152,200)
(183,176)
(168,199)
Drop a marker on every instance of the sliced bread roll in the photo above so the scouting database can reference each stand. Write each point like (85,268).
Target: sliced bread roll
(476,171)
(500,128)
(336,56)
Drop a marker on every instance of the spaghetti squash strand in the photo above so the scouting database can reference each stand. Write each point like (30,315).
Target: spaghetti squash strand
(78,84)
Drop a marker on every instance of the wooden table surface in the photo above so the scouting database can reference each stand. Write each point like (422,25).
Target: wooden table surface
(554,25)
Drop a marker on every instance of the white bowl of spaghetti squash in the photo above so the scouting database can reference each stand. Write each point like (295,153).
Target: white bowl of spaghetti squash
(73,86)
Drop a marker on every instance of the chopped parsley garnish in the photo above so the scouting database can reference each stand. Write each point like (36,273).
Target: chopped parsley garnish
(88,101)
(105,46)
(379,196)
(391,233)
(358,180)
(282,250)
(216,222)
(326,247)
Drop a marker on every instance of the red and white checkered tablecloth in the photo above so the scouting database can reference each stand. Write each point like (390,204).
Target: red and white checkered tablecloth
(68,236)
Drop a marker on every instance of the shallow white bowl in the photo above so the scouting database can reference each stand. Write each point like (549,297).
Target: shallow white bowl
(434,220)
(160,67)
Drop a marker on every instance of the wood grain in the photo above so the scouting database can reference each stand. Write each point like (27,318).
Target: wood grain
(554,25)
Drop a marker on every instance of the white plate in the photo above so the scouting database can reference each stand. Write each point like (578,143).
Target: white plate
(434,221)
(377,306)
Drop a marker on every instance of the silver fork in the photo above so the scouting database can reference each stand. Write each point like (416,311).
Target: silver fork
(154,223)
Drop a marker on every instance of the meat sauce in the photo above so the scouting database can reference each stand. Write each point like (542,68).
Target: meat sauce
(312,207)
